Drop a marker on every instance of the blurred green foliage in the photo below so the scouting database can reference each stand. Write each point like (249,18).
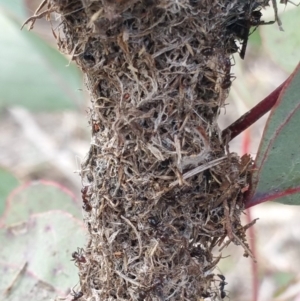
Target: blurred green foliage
(34,74)
(283,46)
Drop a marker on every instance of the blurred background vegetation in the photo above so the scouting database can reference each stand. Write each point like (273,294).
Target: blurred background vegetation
(44,135)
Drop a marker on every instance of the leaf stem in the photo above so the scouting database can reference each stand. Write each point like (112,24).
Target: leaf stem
(253,115)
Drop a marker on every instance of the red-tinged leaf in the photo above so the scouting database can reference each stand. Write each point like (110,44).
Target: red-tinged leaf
(276,174)
(36,197)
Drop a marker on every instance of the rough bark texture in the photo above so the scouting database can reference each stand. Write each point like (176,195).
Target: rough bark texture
(161,192)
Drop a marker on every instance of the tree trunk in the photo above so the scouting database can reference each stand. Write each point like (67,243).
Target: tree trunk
(161,190)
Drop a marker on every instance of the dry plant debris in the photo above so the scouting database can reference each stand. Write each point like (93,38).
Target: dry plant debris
(161,190)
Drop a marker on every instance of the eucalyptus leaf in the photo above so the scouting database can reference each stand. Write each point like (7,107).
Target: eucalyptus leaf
(37,197)
(276,174)
(42,246)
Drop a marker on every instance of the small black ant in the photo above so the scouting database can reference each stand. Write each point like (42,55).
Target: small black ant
(206,295)
(222,294)
(153,221)
(76,295)
(226,83)
(231,47)
(84,191)
(222,286)
(227,64)
(78,257)
(207,51)
(86,206)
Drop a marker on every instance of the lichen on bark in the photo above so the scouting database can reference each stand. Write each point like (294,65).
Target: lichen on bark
(161,190)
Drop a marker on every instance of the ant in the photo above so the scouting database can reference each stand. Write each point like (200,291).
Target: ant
(206,295)
(76,295)
(96,127)
(207,51)
(222,286)
(226,83)
(84,191)
(226,64)
(153,221)
(78,257)
(86,206)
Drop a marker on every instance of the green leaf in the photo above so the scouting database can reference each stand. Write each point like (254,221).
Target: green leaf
(7,183)
(44,243)
(276,175)
(34,74)
(37,197)
(283,46)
